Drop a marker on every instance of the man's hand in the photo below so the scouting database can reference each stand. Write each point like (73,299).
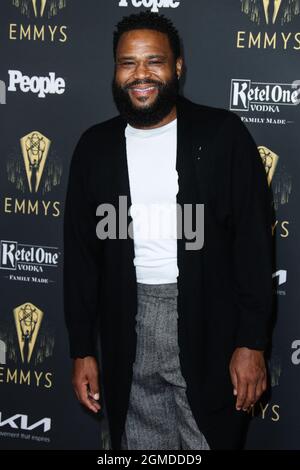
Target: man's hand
(85,382)
(248,376)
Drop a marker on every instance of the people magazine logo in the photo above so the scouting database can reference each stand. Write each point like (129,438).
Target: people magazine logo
(153,5)
(40,86)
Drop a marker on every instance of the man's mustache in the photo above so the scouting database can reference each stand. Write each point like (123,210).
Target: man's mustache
(143,82)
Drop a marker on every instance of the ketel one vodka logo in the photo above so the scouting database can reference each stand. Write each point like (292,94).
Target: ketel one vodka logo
(28,320)
(40,8)
(270,160)
(23,257)
(246,95)
(271,11)
(35,148)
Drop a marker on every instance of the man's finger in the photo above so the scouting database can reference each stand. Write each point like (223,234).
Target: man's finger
(94,387)
(250,397)
(241,393)
(94,399)
(84,399)
(234,381)
(94,396)
(94,391)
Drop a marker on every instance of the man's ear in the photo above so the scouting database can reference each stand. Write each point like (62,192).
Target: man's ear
(179,67)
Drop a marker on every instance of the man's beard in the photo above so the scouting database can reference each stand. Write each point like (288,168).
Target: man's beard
(146,116)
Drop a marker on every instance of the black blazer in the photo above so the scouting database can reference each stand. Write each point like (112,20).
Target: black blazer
(225,289)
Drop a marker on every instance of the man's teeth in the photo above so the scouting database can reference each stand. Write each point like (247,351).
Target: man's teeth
(143,89)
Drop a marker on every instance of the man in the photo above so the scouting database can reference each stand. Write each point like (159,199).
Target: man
(183,325)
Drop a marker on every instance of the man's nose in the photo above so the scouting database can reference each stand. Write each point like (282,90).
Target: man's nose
(142,71)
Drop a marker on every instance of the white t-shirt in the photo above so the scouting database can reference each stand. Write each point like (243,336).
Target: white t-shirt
(153,179)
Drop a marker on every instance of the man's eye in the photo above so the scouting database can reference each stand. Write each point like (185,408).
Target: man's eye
(155,62)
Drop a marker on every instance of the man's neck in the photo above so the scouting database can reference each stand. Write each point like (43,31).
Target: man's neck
(170,117)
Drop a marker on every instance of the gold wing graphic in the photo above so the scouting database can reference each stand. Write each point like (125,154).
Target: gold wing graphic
(271,11)
(39,8)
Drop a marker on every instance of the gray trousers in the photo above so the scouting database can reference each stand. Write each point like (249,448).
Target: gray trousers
(159,416)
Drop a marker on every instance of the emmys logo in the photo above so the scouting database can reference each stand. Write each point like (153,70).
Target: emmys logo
(35,148)
(25,343)
(281,187)
(271,14)
(154,5)
(35,174)
(39,11)
(39,8)
(270,160)
(270,11)
(28,319)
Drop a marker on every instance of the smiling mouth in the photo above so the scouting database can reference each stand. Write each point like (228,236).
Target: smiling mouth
(142,91)
(145,88)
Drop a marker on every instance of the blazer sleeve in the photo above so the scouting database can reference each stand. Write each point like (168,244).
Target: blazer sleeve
(81,257)
(252,241)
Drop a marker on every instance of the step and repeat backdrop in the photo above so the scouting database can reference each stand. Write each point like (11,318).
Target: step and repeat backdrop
(56,70)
